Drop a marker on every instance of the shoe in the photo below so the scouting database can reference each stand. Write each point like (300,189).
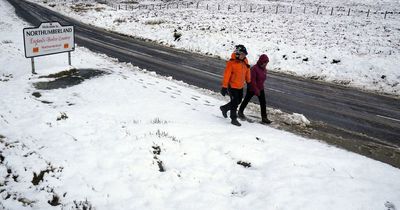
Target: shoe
(224,111)
(235,122)
(265,120)
(241,115)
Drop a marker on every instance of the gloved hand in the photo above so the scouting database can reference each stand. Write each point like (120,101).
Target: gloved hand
(224,91)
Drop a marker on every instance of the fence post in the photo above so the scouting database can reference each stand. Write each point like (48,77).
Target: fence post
(240,8)
(207,6)
(332,11)
(119,6)
(197,5)
(263,9)
(304,10)
(218,7)
(386,14)
(229,7)
(317,10)
(277,6)
(291,9)
(187,5)
(348,14)
(160,6)
(251,8)
(368,13)
(177,5)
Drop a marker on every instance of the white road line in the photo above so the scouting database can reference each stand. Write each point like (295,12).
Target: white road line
(389,118)
(279,91)
(202,71)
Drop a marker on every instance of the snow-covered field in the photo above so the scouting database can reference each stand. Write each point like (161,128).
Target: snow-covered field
(133,140)
(355,50)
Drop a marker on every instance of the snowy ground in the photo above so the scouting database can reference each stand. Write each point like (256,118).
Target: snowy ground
(348,50)
(133,140)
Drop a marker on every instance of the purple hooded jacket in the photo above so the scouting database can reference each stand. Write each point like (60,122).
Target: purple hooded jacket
(258,75)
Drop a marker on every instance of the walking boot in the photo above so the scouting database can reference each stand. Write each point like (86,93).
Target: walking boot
(224,111)
(241,115)
(265,120)
(235,122)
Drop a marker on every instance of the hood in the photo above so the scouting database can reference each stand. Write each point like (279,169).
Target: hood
(263,59)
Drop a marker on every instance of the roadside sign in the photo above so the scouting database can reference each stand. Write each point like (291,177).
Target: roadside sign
(49,38)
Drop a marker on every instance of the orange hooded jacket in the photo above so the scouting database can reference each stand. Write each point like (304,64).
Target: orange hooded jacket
(236,73)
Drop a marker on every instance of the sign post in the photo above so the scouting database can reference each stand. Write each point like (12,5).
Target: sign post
(33,66)
(47,39)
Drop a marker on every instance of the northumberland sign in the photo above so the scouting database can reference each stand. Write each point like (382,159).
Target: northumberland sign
(48,38)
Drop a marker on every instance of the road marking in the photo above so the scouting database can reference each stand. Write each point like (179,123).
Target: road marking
(397,120)
(202,71)
(279,91)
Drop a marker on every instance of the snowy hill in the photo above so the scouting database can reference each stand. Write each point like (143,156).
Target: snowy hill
(130,139)
(340,44)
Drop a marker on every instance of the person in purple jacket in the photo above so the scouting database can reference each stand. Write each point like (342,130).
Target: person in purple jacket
(256,87)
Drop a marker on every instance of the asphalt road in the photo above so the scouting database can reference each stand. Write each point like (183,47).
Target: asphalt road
(343,111)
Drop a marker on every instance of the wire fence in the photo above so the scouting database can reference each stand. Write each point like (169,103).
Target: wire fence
(246,8)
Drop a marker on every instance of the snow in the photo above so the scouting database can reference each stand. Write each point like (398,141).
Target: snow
(305,45)
(119,128)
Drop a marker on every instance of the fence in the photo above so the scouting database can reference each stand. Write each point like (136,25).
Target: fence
(252,8)
(258,8)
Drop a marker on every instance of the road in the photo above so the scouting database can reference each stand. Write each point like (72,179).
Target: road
(343,111)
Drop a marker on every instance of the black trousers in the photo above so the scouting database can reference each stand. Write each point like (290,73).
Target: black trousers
(261,99)
(236,97)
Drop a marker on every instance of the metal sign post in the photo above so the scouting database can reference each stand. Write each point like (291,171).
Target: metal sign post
(33,65)
(47,39)
(69,58)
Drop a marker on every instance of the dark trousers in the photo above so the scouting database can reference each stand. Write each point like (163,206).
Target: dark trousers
(236,97)
(261,99)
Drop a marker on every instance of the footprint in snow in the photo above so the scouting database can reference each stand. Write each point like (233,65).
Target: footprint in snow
(390,206)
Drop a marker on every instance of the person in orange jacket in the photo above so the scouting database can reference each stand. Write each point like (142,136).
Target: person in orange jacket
(236,73)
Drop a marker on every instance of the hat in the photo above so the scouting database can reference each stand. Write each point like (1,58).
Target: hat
(240,49)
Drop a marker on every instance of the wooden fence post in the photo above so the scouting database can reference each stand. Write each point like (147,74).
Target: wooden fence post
(317,10)
(368,12)
(218,7)
(229,7)
(263,9)
(386,14)
(304,10)
(240,8)
(348,14)
(332,11)
(197,5)
(207,6)
(277,6)
(291,9)
(251,8)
